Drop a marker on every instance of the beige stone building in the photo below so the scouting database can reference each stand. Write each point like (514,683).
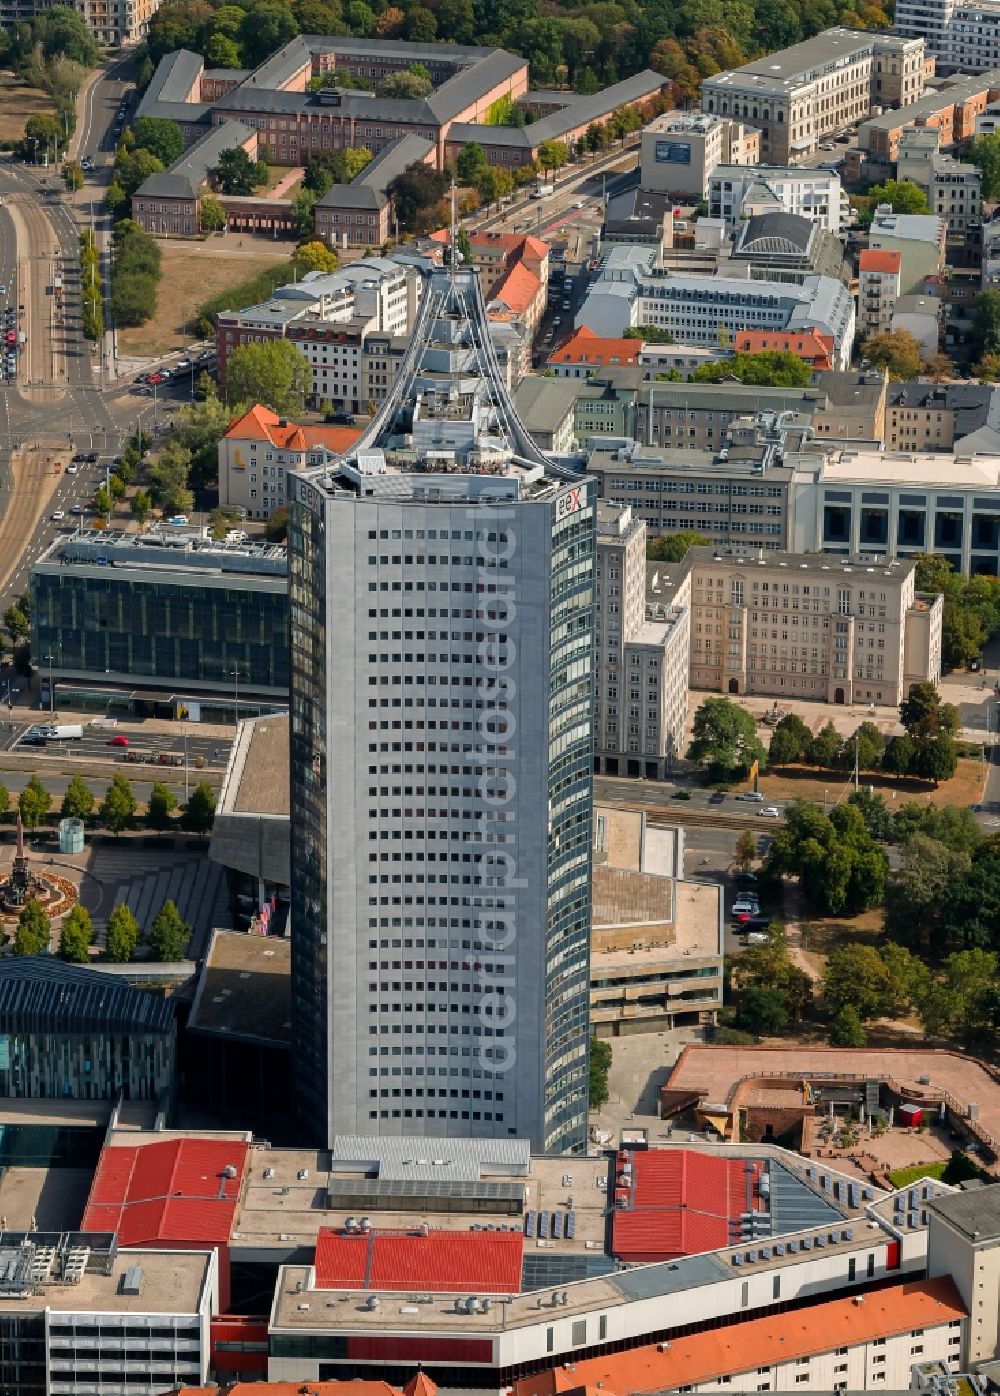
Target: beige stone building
(641,656)
(804,625)
(815,89)
(656,945)
(680,149)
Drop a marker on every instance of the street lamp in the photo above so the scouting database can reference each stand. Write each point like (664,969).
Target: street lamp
(52,692)
(235,675)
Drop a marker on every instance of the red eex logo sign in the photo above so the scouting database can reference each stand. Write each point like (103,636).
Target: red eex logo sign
(569,502)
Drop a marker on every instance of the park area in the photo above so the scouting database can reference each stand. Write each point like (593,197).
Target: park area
(18,101)
(830,787)
(193,274)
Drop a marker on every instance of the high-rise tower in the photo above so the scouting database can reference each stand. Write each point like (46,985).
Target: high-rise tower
(442,633)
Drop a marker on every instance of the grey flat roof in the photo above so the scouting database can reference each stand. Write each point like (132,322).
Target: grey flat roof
(245,989)
(431,1159)
(798,64)
(672,1277)
(974,1212)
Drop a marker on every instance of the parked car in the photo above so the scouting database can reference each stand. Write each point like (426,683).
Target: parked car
(717,797)
(58,515)
(343,419)
(753,795)
(746,903)
(770,812)
(119,739)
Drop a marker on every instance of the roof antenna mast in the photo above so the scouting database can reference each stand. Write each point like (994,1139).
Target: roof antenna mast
(453,236)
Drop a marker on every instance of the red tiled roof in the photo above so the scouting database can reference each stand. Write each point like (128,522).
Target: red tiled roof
(681,1203)
(698,1358)
(812,344)
(872,259)
(261,424)
(519,288)
(583,346)
(443,1261)
(173,1190)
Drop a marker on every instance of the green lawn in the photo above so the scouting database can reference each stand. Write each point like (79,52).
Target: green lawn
(903,1177)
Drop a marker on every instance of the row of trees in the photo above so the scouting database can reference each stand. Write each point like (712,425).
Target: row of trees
(117,809)
(92,287)
(51,51)
(585,47)
(135,274)
(958,998)
(167,940)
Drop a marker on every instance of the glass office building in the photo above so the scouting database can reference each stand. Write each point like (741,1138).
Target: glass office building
(162,611)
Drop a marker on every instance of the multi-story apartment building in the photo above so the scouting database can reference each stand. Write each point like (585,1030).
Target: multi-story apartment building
(112,22)
(640,657)
(680,150)
(736,192)
(799,625)
(933,416)
(630,290)
(816,88)
(878,291)
(259,449)
(441,761)
(952,108)
(964,1243)
(919,238)
(338,321)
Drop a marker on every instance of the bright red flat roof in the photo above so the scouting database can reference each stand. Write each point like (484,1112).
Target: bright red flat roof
(448,1262)
(682,1202)
(174,1190)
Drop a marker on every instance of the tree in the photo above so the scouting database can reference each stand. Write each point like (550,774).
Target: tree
(874,812)
(313,256)
(162,803)
(986,326)
(199,812)
(985,152)
(76,936)
(471,162)
(902,194)
(407,85)
(552,155)
(4,798)
(600,1065)
(17,623)
(72,175)
(492,184)
(160,136)
(390,23)
(789,741)
(119,804)
(211,214)
(275,374)
(924,715)
(198,429)
(936,759)
(236,172)
(761,1011)
(276,527)
(771,368)
(745,852)
(122,936)
(897,758)
(839,866)
(267,26)
(33,803)
(414,194)
(863,749)
(846,1029)
(304,208)
(142,503)
(824,748)
(169,935)
(673,547)
(856,976)
(133,168)
(894,350)
(78,802)
(725,739)
(34,931)
(222,52)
